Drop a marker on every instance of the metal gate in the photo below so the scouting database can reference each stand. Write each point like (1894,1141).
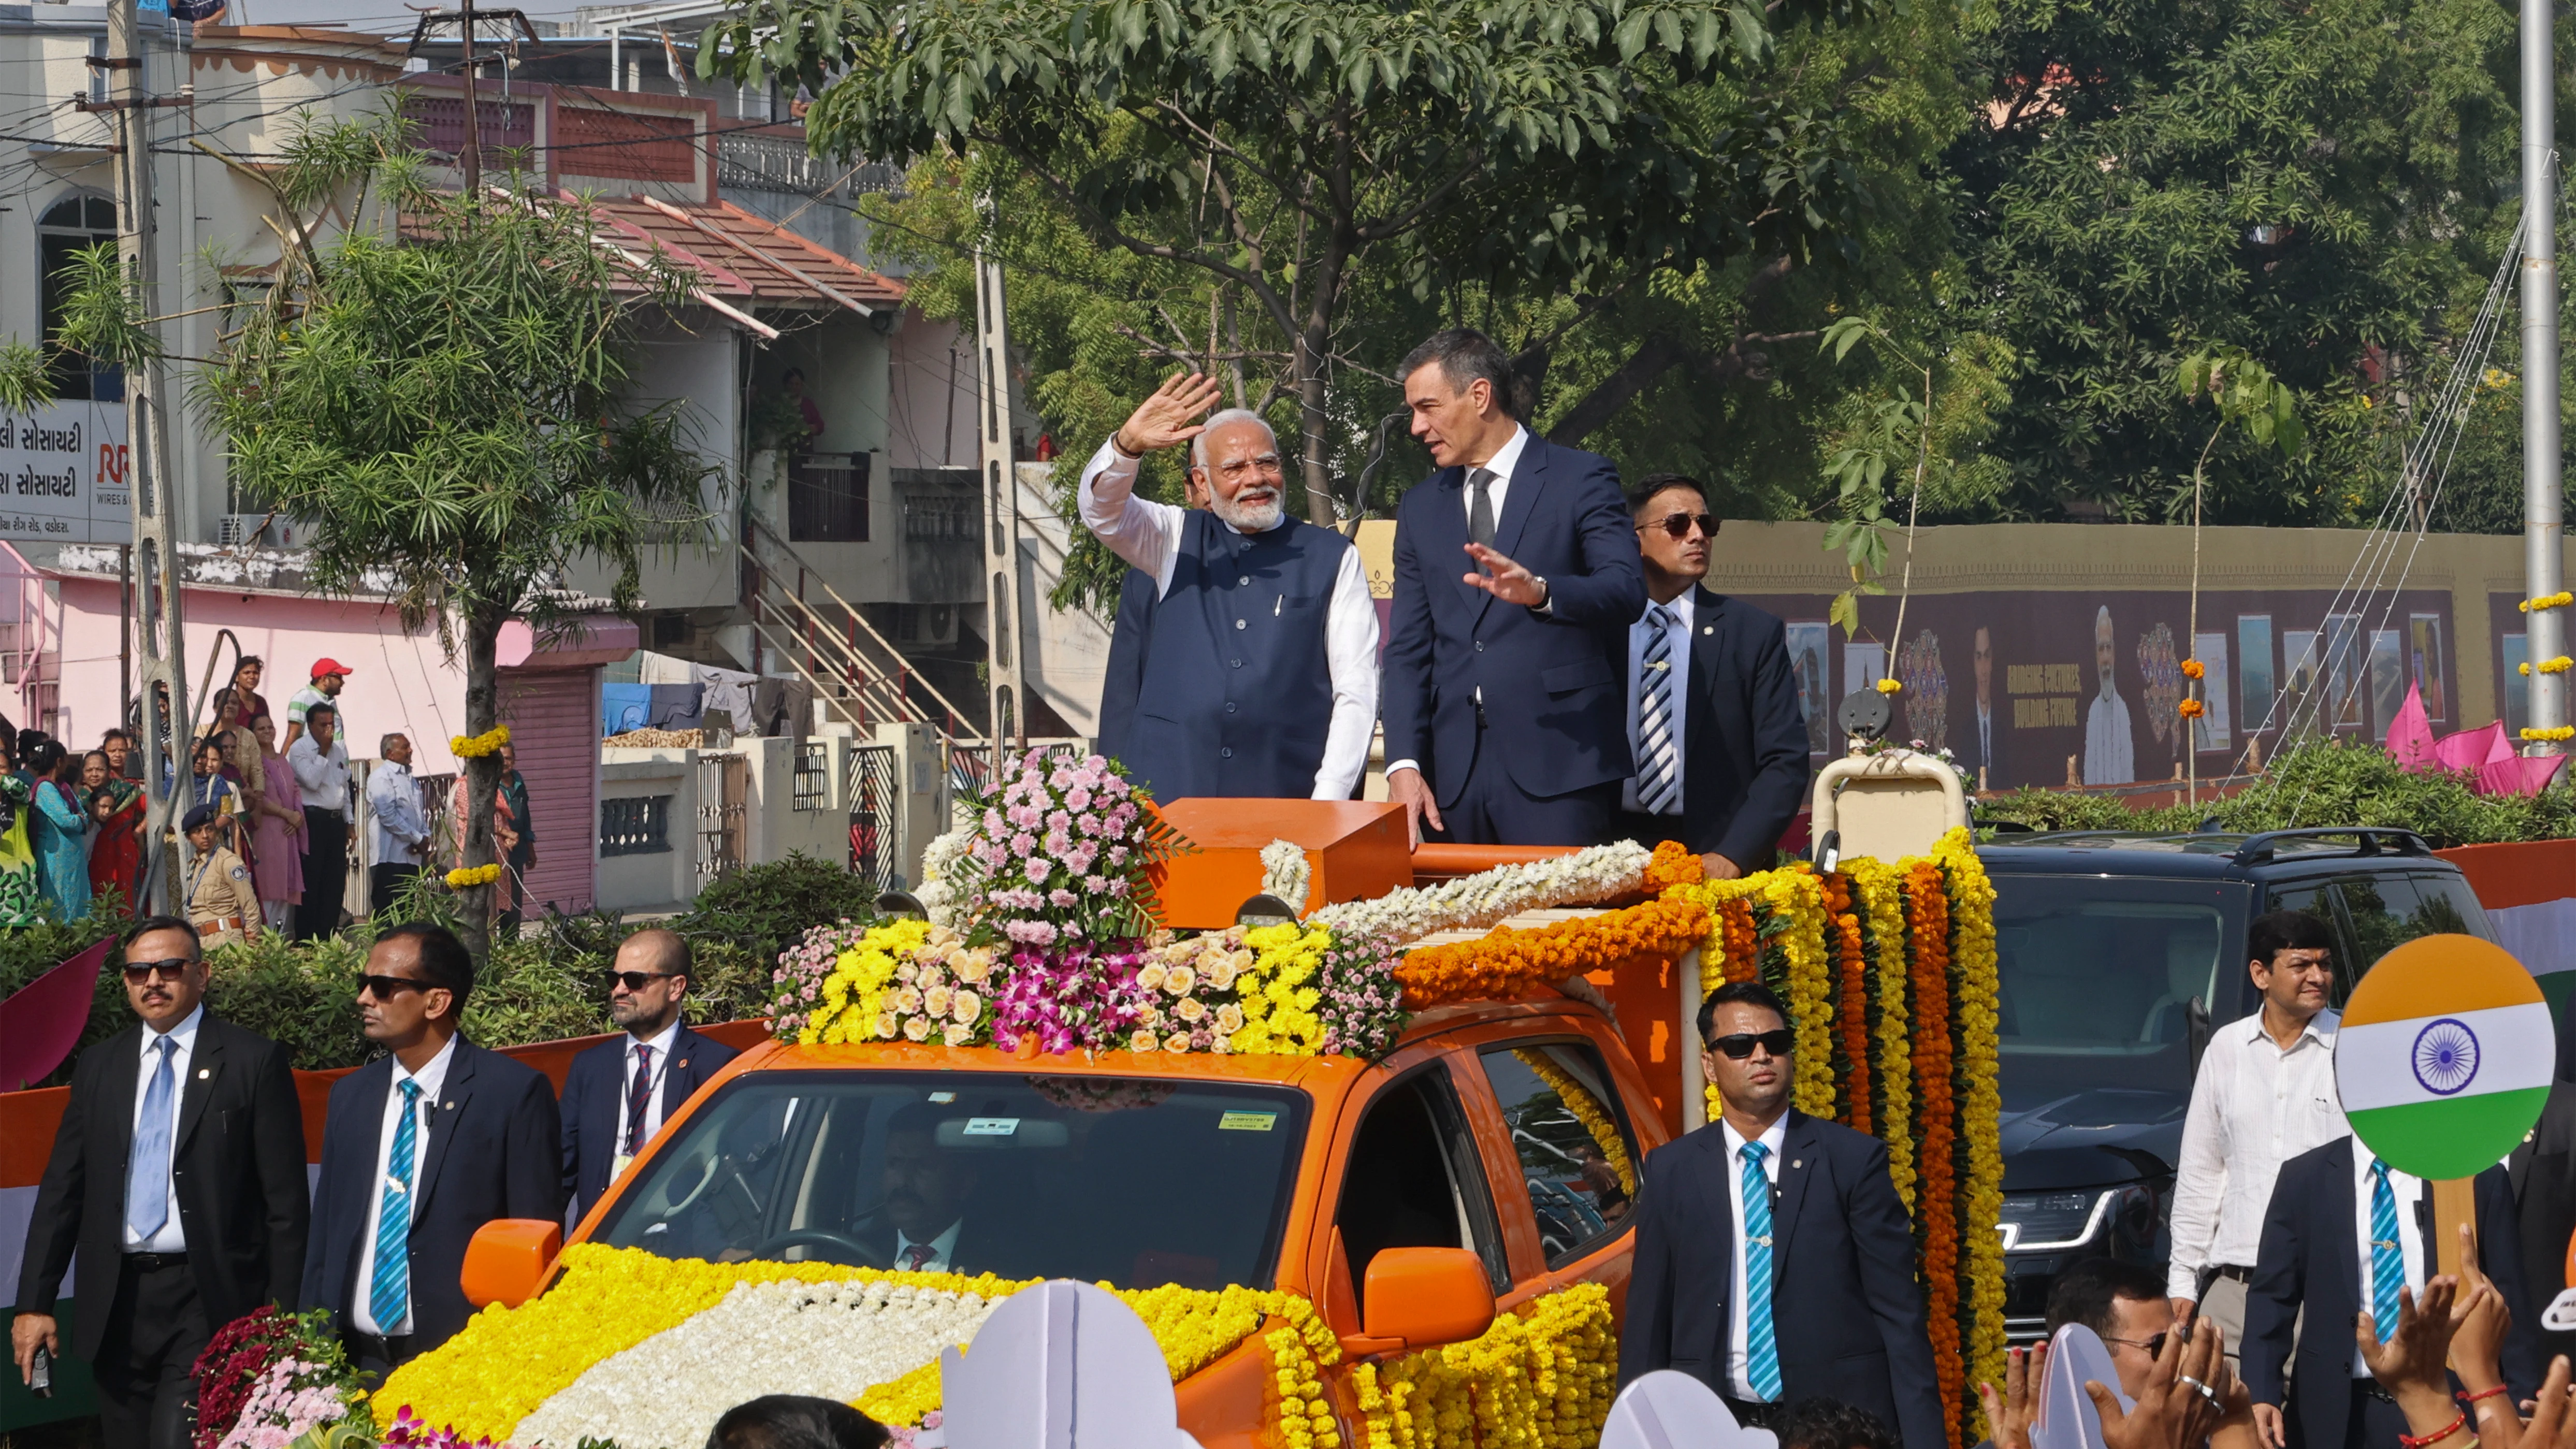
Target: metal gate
(875,815)
(724,783)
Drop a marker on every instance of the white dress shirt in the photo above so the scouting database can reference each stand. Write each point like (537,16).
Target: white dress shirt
(940,1248)
(661,1046)
(1505,459)
(1147,535)
(1677,655)
(2408,1190)
(183,1049)
(321,778)
(1739,1371)
(397,824)
(431,1078)
(2254,1107)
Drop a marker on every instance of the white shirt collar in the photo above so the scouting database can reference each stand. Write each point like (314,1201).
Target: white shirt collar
(2321,1026)
(432,1076)
(941,1247)
(660,1043)
(1683,609)
(1774,1137)
(1507,457)
(183,1037)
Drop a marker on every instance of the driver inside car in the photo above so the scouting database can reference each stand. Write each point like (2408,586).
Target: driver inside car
(926,1186)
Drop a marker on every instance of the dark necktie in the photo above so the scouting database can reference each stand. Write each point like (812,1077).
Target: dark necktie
(639,1096)
(1480,507)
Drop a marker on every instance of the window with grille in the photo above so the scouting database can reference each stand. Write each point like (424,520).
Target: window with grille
(813,783)
(827,498)
(638,825)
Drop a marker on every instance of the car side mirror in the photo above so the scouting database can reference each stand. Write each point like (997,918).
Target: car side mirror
(509,1260)
(1422,1297)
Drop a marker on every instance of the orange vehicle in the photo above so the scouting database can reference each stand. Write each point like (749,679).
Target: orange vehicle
(1408,1198)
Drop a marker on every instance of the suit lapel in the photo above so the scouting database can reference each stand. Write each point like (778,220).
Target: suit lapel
(446,1112)
(116,1098)
(2340,1207)
(206,1067)
(1708,665)
(1529,474)
(1798,1148)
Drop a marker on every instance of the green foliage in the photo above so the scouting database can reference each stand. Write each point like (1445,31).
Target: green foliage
(26,378)
(2320,783)
(2246,394)
(763,909)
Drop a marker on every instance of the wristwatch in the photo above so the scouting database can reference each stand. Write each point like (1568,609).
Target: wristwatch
(1546,596)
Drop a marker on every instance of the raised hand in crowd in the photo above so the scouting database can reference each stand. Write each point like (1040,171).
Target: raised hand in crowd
(2010,1410)
(2553,1414)
(1171,416)
(2414,1364)
(2185,1399)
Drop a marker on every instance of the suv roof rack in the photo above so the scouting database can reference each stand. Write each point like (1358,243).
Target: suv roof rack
(2367,840)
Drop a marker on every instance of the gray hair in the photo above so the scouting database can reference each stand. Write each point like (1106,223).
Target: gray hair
(385,744)
(1227,418)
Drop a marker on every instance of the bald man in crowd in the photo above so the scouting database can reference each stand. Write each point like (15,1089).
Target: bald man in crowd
(620,1092)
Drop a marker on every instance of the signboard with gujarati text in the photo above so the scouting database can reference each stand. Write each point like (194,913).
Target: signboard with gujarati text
(64,468)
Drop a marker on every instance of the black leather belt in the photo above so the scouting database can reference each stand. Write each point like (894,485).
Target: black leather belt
(2370,1387)
(151,1262)
(2237,1271)
(376,1345)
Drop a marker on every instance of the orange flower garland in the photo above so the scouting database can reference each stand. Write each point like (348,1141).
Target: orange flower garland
(1674,864)
(1507,964)
(1927,912)
(1851,965)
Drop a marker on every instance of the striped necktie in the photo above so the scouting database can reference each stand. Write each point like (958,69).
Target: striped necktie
(389,1291)
(1658,783)
(1761,1343)
(2387,1259)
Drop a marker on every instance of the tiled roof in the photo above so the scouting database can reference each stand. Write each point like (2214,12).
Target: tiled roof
(744,258)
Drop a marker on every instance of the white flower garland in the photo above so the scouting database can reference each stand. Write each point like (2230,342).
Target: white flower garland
(1476,902)
(832,1340)
(1285,874)
(939,867)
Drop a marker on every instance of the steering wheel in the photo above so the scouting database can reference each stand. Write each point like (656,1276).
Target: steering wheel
(860,1253)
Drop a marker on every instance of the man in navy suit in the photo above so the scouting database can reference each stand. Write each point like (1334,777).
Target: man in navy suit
(1503,708)
(420,1149)
(1713,714)
(1774,1261)
(2315,1255)
(619,1093)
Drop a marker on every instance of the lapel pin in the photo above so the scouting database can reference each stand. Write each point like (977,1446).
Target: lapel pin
(204,1072)
(684,1062)
(1708,628)
(1797,1162)
(451,1106)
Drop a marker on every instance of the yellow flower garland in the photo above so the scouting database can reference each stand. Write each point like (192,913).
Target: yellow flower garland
(1980,1102)
(1880,894)
(1799,895)
(1541,1377)
(854,994)
(472,875)
(1587,1110)
(1278,1004)
(509,1361)
(474,747)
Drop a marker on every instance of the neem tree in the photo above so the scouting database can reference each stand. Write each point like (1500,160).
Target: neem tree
(1571,145)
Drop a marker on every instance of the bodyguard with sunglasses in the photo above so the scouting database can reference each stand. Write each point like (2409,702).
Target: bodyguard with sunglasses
(1713,717)
(1774,1262)
(178,1172)
(620,1092)
(422,1147)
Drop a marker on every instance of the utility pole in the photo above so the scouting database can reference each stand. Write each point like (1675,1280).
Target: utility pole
(2542,561)
(162,643)
(1004,638)
(473,130)
(466,17)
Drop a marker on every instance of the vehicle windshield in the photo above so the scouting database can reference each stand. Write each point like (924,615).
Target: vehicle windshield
(2097,982)
(1128,1181)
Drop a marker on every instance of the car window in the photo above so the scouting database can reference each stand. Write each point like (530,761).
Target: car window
(2449,905)
(2099,982)
(1025,1176)
(1578,1157)
(2317,897)
(2388,910)
(1415,1180)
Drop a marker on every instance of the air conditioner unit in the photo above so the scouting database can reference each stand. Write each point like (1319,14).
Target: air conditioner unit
(258,530)
(926,624)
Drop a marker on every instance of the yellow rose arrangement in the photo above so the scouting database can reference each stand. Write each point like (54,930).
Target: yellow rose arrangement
(1542,1377)
(855,993)
(475,747)
(1277,994)
(472,875)
(1586,1109)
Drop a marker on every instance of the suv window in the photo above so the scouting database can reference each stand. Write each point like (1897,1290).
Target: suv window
(1578,1157)
(1414,1180)
(2317,897)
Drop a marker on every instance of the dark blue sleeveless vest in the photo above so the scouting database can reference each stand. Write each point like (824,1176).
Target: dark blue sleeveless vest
(1124,679)
(1235,696)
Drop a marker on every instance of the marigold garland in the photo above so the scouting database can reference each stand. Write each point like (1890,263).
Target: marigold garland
(1674,864)
(2558,600)
(1542,1377)
(472,875)
(1927,919)
(474,747)
(1980,1104)
(1851,970)
(1586,1109)
(1881,892)
(1508,964)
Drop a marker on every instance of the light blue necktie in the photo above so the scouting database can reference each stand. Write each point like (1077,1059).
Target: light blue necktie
(389,1297)
(1761,1346)
(147,1170)
(2387,1260)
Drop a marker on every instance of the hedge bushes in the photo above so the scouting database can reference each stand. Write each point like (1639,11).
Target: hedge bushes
(2320,782)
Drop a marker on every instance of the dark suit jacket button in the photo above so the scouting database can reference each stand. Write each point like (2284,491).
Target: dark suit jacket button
(1480,646)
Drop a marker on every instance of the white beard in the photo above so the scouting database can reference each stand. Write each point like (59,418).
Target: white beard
(1258,518)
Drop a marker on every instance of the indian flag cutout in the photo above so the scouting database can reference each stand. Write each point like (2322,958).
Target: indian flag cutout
(2445,1055)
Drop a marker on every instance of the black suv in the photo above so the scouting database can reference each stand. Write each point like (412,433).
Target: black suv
(2118,953)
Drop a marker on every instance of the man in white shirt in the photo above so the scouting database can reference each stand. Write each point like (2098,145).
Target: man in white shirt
(400,833)
(2110,754)
(1255,673)
(618,1094)
(2264,1095)
(321,765)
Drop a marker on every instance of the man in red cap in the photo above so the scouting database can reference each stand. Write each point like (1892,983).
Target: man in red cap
(328,676)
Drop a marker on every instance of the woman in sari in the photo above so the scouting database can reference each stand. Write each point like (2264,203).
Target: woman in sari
(277,862)
(117,805)
(208,787)
(59,832)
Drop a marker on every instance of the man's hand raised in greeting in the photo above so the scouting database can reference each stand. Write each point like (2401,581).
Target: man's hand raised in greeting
(1169,417)
(1504,579)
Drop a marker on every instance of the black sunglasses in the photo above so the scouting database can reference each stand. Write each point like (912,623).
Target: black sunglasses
(1678,525)
(138,972)
(386,987)
(1740,1045)
(635,980)
(2154,1346)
